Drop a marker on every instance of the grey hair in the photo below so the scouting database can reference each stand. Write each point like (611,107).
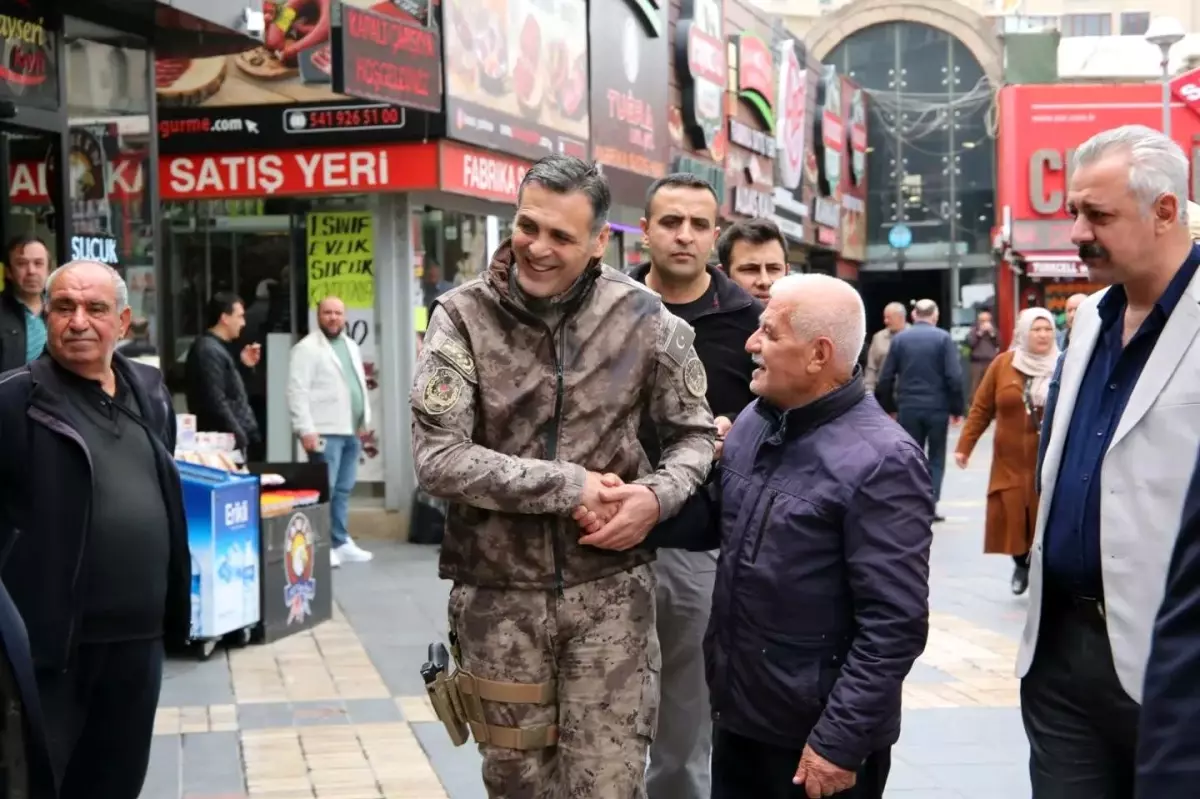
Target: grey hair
(926,309)
(1157,165)
(565,174)
(895,307)
(119,288)
(843,321)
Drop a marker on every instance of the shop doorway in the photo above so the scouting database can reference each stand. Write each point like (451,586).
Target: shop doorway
(880,288)
(31,163)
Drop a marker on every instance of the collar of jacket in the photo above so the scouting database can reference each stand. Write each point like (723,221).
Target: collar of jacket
(501,276)
(50,381)
(791,424)
(730,297)
(10,298)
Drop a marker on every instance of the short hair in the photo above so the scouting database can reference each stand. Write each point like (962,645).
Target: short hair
(926,309)
(752,231)
(680,180)
(1157,165)
(120,290)
(847,330)
(220,304)
(895,307)
(20,242)
(565,174)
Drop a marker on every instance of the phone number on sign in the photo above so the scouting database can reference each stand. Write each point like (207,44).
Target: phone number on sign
(300,120)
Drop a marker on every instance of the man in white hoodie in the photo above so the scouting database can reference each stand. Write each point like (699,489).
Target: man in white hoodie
(327,397)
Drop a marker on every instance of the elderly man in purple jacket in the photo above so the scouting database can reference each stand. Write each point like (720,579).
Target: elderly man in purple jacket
(822,507)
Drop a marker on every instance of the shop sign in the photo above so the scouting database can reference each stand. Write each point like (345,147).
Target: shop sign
(792,110)
(1186,87)
(756,77)
(480,174)
(29,181)
(630,91)
(753,140)
(705,170)
(102,249)
(833,135)
(826,212)
(748,201)
(858,137)
(380,57)
(28,67)
(1049,201)
(393,168)
(1071,268)
(700,64)
(517,75)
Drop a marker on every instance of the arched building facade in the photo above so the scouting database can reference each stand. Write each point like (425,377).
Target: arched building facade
(931,68)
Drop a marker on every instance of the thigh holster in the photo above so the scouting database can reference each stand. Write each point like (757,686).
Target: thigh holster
(474,691)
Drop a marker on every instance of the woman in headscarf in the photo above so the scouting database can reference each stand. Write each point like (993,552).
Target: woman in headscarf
(1013,394)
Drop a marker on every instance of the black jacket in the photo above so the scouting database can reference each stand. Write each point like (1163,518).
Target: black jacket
(823,516)
(922,372)
(25,768)
(721,334)
(12,331)
(45,501)
(216,393)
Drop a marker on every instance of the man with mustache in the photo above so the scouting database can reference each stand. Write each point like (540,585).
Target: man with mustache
(679,229)
(1120,419)
(93,533)
(531,385)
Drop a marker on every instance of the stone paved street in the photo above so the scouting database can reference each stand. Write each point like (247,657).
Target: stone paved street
(340,714)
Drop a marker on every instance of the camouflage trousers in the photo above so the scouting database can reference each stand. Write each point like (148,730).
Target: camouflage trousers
(598,642)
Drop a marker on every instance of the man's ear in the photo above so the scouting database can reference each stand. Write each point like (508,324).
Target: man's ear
(601,243)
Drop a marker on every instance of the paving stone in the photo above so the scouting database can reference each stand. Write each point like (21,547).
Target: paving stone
(212,763)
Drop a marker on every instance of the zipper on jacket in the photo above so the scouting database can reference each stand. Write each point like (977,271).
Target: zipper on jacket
(556,345)
(762,525)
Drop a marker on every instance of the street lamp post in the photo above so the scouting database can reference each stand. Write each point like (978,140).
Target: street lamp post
(1164,33)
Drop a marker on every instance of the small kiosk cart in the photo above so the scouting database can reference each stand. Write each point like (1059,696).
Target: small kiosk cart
(223,535)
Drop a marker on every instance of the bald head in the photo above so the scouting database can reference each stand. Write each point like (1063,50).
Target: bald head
(821,306)
(893,316)
(331,316)
(1072,305)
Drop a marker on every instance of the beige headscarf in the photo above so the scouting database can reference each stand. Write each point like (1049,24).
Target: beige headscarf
(1194,220)
(1040,367)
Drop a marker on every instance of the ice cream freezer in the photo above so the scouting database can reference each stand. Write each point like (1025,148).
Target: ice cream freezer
(223,536)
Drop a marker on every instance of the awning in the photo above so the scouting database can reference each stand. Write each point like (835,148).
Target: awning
(1055,265)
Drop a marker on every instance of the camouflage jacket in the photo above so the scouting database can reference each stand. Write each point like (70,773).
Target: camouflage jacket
(511,407)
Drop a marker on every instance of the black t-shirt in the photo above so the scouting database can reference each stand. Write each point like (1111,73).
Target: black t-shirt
(722,329)
(127,550)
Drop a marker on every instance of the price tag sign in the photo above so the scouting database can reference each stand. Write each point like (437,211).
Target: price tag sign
(1186,88)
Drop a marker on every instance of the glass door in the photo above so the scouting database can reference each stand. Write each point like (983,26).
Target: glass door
(32,203)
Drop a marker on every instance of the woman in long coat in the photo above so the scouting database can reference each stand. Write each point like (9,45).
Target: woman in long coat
(1013,394)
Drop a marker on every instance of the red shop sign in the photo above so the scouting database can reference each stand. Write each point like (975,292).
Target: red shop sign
(384,168)
(28,181)
(478,173)
(381,57)
(1187,88)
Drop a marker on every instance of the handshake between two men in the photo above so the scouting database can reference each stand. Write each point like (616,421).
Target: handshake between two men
(618,516)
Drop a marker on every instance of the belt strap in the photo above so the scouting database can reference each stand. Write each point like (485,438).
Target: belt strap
(513,693)
(513,737)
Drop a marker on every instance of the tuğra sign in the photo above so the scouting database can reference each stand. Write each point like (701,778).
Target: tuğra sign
(700,64)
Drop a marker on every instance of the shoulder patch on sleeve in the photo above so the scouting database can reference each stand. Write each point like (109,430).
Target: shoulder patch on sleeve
(443,391)
(453,352)
(677,338)
(695,377)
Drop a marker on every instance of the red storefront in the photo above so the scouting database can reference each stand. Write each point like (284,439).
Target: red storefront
(1040,127)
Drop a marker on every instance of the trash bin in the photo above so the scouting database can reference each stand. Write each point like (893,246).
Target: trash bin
(223,537)
(297,586)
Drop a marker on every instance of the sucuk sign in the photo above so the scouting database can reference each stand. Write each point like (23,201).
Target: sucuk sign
(384,58)
(480,174)
(703,76)
(356,169)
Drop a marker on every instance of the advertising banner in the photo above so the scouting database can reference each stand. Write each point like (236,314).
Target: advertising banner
(379,57)
(517,75)
(478,173)
(341,263)
(854,173)
(795,162)
(630,86)
(283,89)
(28,68)
(700,65)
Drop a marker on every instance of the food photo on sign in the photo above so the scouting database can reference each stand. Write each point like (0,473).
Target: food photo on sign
(293,64)
(517,74)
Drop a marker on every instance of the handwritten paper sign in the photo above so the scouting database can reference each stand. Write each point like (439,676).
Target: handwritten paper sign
(341,258)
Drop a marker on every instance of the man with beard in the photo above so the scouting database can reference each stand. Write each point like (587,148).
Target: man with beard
(1120,420)
(22,314)
(679,229)
(530,387)
(327,397)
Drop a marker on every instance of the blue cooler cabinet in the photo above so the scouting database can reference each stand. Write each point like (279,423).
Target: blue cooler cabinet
(223,536)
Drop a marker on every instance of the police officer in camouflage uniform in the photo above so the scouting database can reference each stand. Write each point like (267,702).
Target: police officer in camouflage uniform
(530,387)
